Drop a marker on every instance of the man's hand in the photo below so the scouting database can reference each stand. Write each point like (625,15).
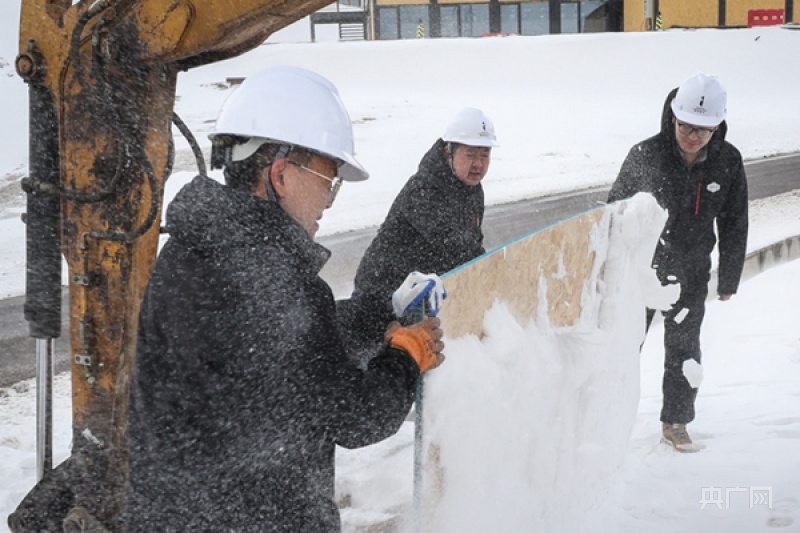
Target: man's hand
(422,341)
(725,297)
(417,288)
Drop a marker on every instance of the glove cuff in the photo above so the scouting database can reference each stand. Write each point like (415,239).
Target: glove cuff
(417,344)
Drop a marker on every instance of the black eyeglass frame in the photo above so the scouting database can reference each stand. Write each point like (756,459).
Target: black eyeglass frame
(687,129)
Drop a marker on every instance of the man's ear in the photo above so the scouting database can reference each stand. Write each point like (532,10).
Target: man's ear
(277,175)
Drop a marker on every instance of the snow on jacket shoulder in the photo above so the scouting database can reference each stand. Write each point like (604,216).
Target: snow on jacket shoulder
(711,191)
(241,387)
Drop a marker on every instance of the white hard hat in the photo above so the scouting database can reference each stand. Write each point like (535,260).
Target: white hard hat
(294,106)
(471,127)
(701,100)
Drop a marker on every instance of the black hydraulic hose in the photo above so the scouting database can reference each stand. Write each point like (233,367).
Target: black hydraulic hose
(80,196)
(155,204)
(124,140)
(198,154)
(75,42)
(130,144)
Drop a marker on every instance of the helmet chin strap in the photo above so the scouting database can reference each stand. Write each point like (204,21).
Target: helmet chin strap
(282,153)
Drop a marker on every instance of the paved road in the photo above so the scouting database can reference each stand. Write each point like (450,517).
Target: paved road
(766,177)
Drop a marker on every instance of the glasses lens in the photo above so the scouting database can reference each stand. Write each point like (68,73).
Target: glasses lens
(687,129)
(335,186)
(335,182)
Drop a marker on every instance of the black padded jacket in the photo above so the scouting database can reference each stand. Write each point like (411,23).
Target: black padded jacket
(433,226)
(241,387)
(711,191)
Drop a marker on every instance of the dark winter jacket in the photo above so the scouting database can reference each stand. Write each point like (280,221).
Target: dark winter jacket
(433,226)
(241,386)
(712,190)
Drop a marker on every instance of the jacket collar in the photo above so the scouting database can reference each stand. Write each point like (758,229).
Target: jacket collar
(208,216)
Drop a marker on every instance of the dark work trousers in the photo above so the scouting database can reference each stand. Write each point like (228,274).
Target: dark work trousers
(681,343)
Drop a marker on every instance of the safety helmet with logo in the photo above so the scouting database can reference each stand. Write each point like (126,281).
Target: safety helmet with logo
(472,127)
(701,100)
(290,106)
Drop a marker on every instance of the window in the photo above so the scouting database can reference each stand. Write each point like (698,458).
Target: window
(410,17)
(387,28)
(509,18)
(474,19)
(569,17)
(587,8)
(535,18)
(573,15)
(449,21)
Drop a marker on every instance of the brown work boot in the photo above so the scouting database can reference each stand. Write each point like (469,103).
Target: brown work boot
(676,436)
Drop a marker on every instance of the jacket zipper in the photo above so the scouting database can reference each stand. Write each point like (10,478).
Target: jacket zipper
(697,198)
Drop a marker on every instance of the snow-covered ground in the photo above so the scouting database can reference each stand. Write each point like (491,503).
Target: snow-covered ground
(566,109)
(747,423)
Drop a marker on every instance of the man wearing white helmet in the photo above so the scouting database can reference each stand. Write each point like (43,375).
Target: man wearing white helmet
(699,178)
(241,386)
(434,224)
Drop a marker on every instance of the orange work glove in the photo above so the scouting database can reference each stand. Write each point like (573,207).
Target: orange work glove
(422,341)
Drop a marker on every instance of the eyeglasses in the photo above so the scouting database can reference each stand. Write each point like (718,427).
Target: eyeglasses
(335,182)
(688,129)
(474,153)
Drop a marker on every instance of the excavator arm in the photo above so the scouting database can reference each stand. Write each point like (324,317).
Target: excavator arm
(102,79)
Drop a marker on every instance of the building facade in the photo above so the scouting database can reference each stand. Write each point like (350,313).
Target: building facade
(414,19)
(641,15)
(399,19)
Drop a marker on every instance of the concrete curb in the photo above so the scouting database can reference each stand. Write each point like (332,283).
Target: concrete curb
(761,260)
(770,256)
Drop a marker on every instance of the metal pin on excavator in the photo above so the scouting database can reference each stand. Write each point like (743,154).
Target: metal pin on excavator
(102,78)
